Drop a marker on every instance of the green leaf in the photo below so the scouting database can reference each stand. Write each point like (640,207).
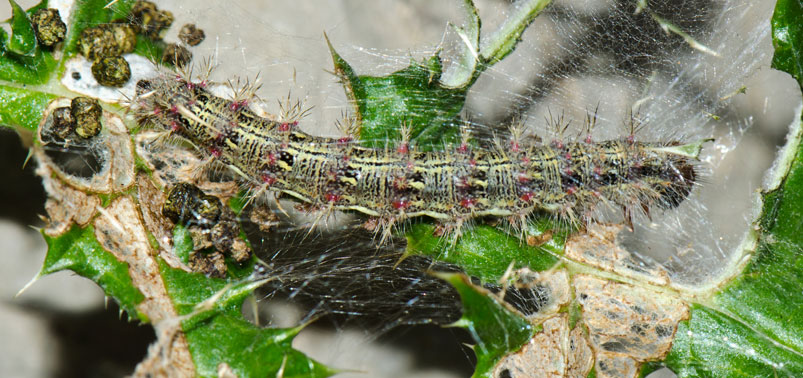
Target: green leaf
(182,243)
(21,59)
(250,351)
(78,250)
(768,295)
(787,37)
(238,202)
(27,70)
(23,37)
(486,252)
(22,107)
(411,96)
(714,344)
(497,330)
(220,334)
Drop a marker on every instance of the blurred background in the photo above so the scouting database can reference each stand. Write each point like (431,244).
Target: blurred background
(577,55)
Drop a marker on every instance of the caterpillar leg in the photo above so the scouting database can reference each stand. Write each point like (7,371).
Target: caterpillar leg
(381,227)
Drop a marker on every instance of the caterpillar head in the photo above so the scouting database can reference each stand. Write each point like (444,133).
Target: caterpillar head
(679,179)
(143,87)
(674,171)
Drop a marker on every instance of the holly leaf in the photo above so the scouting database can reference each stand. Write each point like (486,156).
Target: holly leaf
(22,107)
(22,60)
(496,329)
(218,333)
(487,252)
(23,37)
(79,251)
(411,96)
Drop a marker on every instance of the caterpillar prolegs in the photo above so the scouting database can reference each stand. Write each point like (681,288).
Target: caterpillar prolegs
(512,179)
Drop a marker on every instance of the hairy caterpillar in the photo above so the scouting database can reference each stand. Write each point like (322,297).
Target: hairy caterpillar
(513,179)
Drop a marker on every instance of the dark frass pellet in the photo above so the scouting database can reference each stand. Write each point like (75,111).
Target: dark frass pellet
(187,204)
(107,40)
(151,22)
(176,55)
(191,35)
(143,86)
(86,113)
(49,27)
(124,35)
(211,264)
(111,71)
(63,124)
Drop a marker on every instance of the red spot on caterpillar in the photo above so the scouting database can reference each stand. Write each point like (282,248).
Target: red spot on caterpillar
(597,170)
(174,109)
(631,139)
(175,126)
(568,171)
(472,163)
(588,139)
(401,204)
(403,148)
(568,156)
(332,197)
(237,105)
(467,202)
(527,197)
(284,127)
(514,146)
(268,179)
(557,143)
(271,158)
(571,190)
(410,165)
(463,148)
(344,140)
(215,151)
(525,160)
(190,85)
(462,182)
(523,177)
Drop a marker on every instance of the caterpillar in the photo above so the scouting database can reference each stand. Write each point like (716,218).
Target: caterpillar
(513,179)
